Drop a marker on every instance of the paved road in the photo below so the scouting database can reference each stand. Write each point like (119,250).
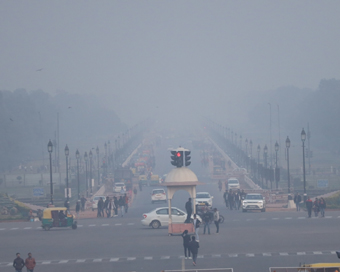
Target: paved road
(250,241)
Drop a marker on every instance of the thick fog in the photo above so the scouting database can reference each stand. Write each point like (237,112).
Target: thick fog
(177,61)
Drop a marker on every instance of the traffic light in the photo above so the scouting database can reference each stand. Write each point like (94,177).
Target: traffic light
(187,158)
(177,158)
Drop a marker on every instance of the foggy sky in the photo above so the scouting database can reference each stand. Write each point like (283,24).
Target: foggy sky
(158,57)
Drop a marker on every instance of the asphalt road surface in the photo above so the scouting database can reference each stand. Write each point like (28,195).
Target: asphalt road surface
(252,241)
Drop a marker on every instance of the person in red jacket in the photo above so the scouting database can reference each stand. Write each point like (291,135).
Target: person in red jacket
(30,263)
(309,206)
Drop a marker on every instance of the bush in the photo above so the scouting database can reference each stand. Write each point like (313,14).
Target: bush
(333,202)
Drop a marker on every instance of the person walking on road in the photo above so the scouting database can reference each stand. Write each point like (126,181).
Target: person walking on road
(108,207)
(83,201)
(316,207)
(309,206)
(322,206)
(30,263)
(186,241)
(18,263)
(194,246)
(77,208)
(126,203)
(217,220)
(206,220)
(121,203)
(188,208)
(225,197)
(237,200)
(116,205)
(100,208)
(196,223)
(231,199)
(297,200)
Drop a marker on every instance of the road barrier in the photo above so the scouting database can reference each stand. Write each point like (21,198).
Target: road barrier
(304,269)
(202,270)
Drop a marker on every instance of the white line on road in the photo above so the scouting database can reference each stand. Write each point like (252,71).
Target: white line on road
(118,224)
(9,264)
(79,226)
(93,225)
(301,217)
(131,258)
(130,224)
(63,261)
(328,216)
(301,253)
(232,255)
(14,228)
(288,218)
(267,254)
(104,225)
(200,257)
(28,228)
(317,252)
(2,229)
(283,254)
(46,262)
(81,261)
(263,219)
(275,218)
(249,220)
(165,257)
(250,255)
(216,255)
(97,260)
(333,252)
(148,258)
(114,259)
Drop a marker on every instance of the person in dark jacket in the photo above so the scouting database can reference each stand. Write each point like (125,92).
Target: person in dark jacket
(206,219)
(231,199)
(297,200)
(83,201)
(225,197)
(316,207)
(115,201)
(18,263)
(322,206)
(193,246)
(100,208)
(78,208)
(121,203)
(188,208)
(186,241)
(309,206)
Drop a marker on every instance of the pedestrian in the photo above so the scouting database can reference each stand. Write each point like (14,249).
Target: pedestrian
(108,207)
(18,263)
(116,205)
(316,207)
(188,208)
(30,263)
(220,185)
(237,200)
(186,241)
(121,203)
(78,208)
(231,199)
(322,206)
(83,201)
(100,207)
(297,200)
(67,204)
(196,223)
(194,246)
(217,220)
(309,205)
(206,221)
(126,203)
(225,197)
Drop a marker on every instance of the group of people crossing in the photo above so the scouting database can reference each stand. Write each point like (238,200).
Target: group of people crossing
(112,205)
(233,199)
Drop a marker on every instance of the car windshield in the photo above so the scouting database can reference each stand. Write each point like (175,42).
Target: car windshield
(202,196)
(119,184)
(254,197)
(158,192)
(233,181)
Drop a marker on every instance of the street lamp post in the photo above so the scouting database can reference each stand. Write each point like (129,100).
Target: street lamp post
(288,146)
(109,154)
(90,155)
(258,161)
(97,151)
(77,156)
(67,152)
(86,180)
(265,154)
(105,165)
(303,139)
(276,168)
(50,149)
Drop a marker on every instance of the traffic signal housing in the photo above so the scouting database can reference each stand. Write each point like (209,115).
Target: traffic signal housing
(177,158)
(187,158)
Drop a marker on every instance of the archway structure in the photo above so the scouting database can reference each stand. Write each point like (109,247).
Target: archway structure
(180,179)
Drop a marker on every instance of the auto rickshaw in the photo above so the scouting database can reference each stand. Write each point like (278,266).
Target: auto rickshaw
(57,217)
(323,267)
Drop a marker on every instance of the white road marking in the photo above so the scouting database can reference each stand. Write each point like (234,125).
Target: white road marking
(267,254)
(28,228)
(114,259)
(46,262)
(249,219)
(63,261)
(317,252)
(216,256)
(131,258)
(328,216)
(301,253)
(39,227)
(339,216)
(200,257)
(288,218)
(93,225)
(79,226)
(283,254)
(2,229)
(301,217)
(275,218)
(130,224)
(14,228)
(333,252)
(118,224)
(232,255)
(263,219)
(165,257)
(9,264)
(250,255)
(80,261)
(148,258)
(104,225)
(97,260)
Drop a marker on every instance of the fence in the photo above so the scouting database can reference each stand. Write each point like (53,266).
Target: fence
(202,270)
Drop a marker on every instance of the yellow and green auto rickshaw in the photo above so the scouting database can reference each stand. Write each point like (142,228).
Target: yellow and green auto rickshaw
(57,217)
(323,267)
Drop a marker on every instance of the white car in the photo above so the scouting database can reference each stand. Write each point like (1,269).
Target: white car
(160,217)
(254,202)
(203,198)
(233,184)
(118,187)
(95,202)
(158,195)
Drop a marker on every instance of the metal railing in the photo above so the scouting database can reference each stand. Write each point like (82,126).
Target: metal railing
(303,269)
(202,270)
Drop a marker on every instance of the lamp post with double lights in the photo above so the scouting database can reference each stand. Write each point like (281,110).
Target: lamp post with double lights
(90,156)
(258,162)
(265,155)
(97,151)
(303,139)
(105,164)
(67,152)
(288,174)
(78,183)
(86,180)
(50,150)
(277,174)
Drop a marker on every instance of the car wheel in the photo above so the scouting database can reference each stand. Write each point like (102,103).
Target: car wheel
(244,210)
(155,224)
(46,227)
(74,226)
(263,210)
